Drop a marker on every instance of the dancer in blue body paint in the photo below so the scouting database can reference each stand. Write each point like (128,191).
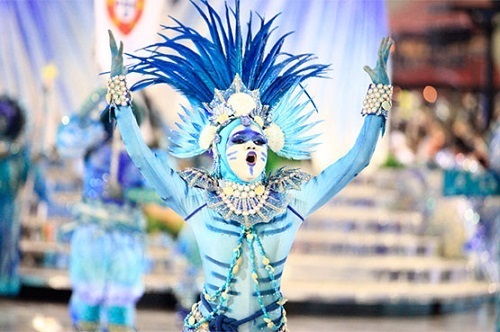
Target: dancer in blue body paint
(108,241)
(16,165)
(243,102)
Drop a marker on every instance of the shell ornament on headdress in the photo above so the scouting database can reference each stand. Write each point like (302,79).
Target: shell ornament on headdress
(225,77)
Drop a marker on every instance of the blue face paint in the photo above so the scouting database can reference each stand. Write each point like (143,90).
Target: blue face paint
(232,154)
(247,135)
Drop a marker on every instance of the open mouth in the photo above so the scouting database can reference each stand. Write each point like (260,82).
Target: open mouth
(251,158)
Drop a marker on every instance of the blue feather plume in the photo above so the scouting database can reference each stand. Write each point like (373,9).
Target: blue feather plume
(197,65)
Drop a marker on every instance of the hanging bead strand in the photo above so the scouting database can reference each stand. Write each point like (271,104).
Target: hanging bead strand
(222,293)
(251,237)
(270,269)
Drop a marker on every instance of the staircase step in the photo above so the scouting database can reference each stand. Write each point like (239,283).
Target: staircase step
(367,219)
(365,195)
(29,246)
(315,241)
(315,267)
(59,279)
(384,292)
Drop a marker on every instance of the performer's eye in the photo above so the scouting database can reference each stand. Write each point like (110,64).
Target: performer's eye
(238,139)
(259,140)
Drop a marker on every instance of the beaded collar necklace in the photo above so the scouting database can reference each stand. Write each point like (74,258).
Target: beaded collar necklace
(243,199)
(247,204)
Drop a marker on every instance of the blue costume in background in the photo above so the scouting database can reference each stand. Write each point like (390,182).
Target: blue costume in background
(107,245)
(15,167)
(243,102)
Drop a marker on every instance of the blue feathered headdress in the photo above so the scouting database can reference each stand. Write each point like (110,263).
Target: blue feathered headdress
(225,76)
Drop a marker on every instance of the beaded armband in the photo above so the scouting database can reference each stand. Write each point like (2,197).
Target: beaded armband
(378,100)
(118,93)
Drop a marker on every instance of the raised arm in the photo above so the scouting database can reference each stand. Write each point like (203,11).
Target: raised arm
(323,187)
(159,175)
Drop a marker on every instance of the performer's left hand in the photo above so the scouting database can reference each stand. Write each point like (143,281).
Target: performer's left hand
(379,73)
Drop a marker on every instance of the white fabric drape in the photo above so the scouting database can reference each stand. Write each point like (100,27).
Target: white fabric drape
(38,39)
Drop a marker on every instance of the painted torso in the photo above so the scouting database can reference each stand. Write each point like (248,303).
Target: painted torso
(274,237)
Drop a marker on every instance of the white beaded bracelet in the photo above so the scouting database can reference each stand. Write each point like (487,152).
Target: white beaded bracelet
(378,100)
(118,93)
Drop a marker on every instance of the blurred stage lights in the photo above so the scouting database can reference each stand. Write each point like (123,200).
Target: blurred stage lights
(430,94)
(42,323)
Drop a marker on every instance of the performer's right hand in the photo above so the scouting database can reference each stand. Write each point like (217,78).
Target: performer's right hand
(117,67)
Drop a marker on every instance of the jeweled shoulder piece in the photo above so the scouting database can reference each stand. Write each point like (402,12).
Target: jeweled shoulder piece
(198,178)
(283,179)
